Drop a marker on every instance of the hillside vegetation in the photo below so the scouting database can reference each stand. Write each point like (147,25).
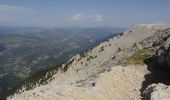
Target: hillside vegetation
(140,57)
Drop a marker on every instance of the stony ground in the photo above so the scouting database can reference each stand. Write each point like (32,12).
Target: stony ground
(121,83)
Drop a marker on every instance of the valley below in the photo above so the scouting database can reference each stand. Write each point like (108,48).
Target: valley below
(27,50)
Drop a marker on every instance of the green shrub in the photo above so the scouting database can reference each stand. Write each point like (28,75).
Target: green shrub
(67,65)
(140,56)
(101,49)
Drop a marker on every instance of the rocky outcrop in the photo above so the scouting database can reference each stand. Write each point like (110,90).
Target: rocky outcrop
(163,53)
(161,41)
(157,92)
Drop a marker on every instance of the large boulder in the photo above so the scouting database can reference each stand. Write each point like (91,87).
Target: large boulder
(157,92)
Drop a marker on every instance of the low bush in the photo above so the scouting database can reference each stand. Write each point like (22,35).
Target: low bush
(140,56)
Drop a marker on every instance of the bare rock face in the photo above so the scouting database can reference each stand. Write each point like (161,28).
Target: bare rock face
(163,53)
(157,92)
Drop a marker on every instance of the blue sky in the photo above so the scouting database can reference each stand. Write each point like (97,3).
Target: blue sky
(83,13)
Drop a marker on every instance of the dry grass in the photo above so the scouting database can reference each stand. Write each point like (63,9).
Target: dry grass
(140,56)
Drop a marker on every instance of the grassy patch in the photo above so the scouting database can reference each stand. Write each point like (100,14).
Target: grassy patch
(140,56)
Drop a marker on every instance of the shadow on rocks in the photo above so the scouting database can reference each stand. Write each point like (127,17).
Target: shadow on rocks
(157,75)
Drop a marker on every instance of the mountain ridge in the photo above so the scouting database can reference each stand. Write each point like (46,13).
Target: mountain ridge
(104,72)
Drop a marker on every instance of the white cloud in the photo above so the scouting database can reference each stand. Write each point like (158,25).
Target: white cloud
(77,17)
(13,9)
(8,12)
(97,18)
(80,17)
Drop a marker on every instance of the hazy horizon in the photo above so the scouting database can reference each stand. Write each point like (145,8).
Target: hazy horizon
(86,13)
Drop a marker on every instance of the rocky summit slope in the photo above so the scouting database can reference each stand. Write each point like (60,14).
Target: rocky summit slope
(121,68)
